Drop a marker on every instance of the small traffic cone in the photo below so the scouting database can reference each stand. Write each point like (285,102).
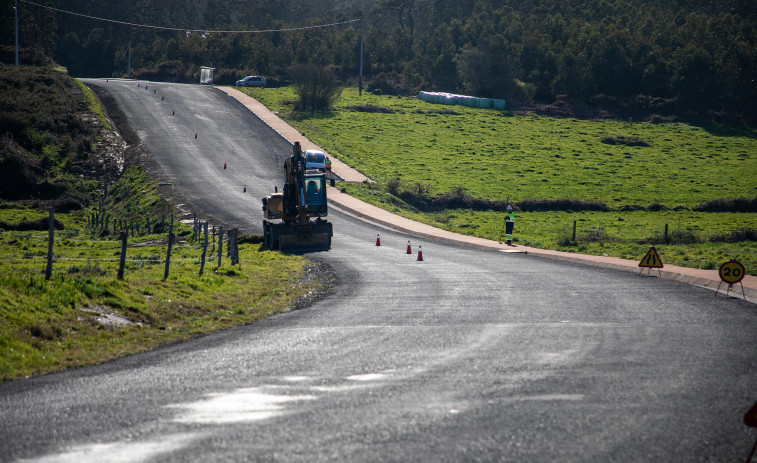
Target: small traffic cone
(378,240)
(409,251)
(173,113)
(224,166)
(244,190)
(162,98)
(139,85)
(420,253)
(155,91)
(195,134)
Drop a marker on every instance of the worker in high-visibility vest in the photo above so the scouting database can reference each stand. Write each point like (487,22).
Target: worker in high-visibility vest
(509,224)
(328,166)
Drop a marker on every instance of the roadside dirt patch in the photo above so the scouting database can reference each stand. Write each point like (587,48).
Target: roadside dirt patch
(108,319)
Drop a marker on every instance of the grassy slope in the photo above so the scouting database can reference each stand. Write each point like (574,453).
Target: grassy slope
(498,155)
(43,324)
(44,328)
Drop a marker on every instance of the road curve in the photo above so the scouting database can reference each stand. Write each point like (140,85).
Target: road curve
(469,355)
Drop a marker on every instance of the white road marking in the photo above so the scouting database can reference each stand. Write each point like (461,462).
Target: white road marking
(249,404)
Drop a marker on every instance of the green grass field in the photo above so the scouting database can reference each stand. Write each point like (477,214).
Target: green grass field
(52,325)
(49,325)
(503,156)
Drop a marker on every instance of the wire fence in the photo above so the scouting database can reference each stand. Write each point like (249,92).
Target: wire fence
(209,241)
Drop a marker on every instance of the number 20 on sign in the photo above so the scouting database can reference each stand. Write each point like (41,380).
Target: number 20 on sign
(731,272)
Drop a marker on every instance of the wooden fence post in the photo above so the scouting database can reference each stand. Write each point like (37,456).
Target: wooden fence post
(236,246)
(666,234)
(220,244)
(574,230)
(168,252)
(233,242)
(51,233)
(204,248)
(122,263)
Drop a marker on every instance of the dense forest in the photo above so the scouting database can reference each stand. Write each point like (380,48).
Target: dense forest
(652,58)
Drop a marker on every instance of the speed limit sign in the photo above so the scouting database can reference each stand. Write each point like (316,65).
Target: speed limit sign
(732,272)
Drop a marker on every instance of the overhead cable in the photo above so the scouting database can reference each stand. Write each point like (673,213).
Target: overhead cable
(177,29)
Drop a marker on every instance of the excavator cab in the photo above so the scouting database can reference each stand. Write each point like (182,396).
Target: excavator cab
(315,195)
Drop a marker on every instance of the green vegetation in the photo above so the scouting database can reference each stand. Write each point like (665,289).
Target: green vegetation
(52,136)
(654,58)
(58,150)
(52,325)
(622,193)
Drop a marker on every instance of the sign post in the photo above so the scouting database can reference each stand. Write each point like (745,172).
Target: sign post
(731,272)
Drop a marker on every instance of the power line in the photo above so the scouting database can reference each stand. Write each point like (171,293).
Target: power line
(205,31)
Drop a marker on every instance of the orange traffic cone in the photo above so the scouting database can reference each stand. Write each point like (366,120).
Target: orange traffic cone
(155,91)
(378,240)
(409,251)
(420,253)
(224,166)
(162,98)
(244,190)
(195,134)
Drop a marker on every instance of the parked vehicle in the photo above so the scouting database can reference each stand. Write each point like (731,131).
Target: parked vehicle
(251,81)
(315,160)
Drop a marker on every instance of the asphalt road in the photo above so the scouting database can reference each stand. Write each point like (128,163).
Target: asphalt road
(467,356)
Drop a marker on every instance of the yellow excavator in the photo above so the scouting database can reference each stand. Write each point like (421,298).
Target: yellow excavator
(300,209)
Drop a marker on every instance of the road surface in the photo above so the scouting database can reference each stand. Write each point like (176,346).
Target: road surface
(469,355)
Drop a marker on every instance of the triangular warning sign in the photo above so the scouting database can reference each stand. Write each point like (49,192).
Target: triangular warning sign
(651,259)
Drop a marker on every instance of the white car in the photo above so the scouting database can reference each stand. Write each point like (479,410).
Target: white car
(251,81)
(315,159)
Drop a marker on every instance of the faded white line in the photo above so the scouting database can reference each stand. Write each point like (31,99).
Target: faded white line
(250,404)
(118,452)
(367,377)
(545,398)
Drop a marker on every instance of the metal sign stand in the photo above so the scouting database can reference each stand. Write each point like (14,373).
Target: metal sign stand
(730,286)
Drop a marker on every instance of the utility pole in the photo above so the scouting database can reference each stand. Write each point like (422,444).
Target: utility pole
(362,32)
(129,58)
(15,9)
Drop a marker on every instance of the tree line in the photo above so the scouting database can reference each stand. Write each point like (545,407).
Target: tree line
(692,58)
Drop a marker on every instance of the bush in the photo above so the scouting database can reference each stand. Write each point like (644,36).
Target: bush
(656,207)
(736,236)
(41,224)
(316,87)
(675,237)
(531,205)
(728,205)
(621,140)
(391,83)
(370,108)
(595,235)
